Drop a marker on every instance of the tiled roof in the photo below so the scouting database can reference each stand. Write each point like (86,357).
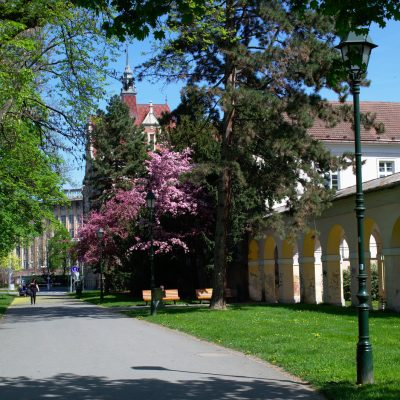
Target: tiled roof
(143,110)
(387,113)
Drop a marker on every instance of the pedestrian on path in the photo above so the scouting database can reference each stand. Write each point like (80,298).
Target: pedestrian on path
(33,289)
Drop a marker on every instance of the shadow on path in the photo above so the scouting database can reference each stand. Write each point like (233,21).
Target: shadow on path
(69,386)
(71,309)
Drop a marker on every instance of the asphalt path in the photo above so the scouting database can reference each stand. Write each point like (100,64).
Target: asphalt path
(65,349)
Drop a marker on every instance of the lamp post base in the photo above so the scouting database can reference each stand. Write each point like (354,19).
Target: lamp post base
(365,369)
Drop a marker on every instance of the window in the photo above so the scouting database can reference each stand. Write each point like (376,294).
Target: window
(71,219)
(152,140)
(386,168)
(63,220)
(332,180)
(71,232)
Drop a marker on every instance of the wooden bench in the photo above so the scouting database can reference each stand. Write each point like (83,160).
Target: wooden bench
(146,296)
(169,295)
(230,293)
(203,294)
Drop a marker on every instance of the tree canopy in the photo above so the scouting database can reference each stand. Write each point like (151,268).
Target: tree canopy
(260,65)
(354,14)
(53,57)
(120,152)
(180,213)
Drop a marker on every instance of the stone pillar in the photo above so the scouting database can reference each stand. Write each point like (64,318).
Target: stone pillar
(255,281)
(392,277)
(289,282)
(308,277)
(269,281)
(333,280)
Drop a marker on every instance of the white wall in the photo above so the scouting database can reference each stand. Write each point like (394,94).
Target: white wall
(372,154)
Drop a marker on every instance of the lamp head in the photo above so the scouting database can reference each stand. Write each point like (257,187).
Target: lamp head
(100,233)
(150,200)
(356,50)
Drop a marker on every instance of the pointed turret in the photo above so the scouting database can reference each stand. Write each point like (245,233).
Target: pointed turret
(128,90)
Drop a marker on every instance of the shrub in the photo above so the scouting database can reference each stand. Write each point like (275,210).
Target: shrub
(374,283)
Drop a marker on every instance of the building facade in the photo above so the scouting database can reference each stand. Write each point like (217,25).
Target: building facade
(146,116)
(34,258)
(311,268)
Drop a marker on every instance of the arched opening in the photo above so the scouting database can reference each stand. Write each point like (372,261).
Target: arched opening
(332,266)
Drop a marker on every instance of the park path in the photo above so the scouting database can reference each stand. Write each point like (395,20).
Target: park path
(65,349)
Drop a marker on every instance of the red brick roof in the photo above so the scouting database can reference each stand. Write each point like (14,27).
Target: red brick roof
(387,113)
(143,110)
(140,111)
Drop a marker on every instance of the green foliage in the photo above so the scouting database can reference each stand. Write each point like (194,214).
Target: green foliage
(52,67)
(59,247)
(10,262)
(52,61)
(352,14)
(258,68)
(120,152)
(139,18)
(5,301)
(29,187)
(374,293)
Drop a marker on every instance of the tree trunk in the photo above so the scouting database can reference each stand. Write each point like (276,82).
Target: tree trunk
(225,181)
(221,231)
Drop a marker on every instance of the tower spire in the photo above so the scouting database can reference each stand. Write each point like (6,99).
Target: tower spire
(128,82)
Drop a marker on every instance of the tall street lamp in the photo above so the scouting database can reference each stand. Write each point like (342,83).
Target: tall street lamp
(150,204)
(356,50)
(100,236)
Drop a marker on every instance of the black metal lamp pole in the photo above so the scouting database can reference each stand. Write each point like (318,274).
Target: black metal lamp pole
(356,50)
(150,204)
(100,236)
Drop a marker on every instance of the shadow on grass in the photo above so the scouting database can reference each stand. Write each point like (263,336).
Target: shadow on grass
(320,308)
(345,390)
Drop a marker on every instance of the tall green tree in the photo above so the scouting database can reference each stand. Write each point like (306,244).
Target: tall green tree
(53,57)
(263,63)
(120,152)
(29,186)
(59,247)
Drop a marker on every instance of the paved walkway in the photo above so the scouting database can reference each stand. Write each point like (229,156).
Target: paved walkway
(68,350)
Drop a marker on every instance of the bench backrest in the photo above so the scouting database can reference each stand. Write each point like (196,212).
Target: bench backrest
(204,293)
(171,294)
(146,295)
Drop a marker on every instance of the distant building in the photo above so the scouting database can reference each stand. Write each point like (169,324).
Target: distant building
(145,115)
(380,143)
(310,268)
(34,257)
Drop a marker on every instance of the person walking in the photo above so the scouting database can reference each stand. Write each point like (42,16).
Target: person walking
(33,289)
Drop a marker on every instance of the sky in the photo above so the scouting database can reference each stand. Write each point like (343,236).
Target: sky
(383,71)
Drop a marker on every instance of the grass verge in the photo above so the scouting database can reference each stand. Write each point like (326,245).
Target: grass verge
(315,343)
(5,301)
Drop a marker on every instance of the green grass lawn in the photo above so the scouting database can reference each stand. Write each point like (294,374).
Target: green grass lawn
(315,343)
(5,301)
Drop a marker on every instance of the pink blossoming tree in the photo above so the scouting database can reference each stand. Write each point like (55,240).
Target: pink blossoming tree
(181,212)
